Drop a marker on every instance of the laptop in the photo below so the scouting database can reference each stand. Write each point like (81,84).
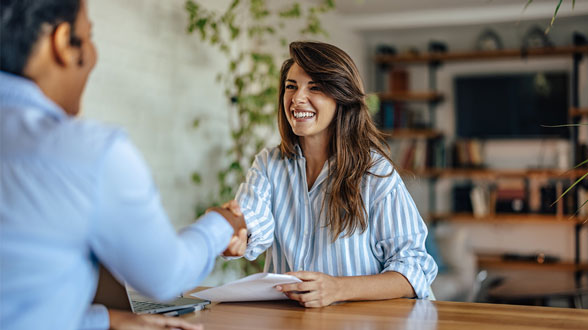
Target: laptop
(112,294)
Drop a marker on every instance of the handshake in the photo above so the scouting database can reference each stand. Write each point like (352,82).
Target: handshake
(232,213)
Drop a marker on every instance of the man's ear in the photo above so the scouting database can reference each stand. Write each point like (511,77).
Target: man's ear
(64,52)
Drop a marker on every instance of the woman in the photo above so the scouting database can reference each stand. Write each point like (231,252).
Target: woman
(327,202)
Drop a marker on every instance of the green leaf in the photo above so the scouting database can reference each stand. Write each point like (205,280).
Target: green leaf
(553,18)
(572,186)
(236,166)
(196,178)
(234,32)
(234,5)
(196,123)
(527,5)
(582,163)
(201,24)
(293,12)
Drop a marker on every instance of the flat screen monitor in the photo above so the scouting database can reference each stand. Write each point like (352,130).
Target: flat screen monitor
(513,105)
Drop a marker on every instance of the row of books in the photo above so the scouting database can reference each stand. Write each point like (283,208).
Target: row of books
(400,115)
(417,154)
(520,196)
(467,153)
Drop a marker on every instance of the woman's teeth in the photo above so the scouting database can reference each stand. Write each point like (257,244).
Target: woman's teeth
(303,114)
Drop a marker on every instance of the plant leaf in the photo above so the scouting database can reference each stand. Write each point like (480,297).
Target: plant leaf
(527,5)
(582,163)
(553,18)
(196,178)
(570,188)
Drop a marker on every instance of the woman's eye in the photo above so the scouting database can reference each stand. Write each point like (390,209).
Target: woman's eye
(290,87)
(315,88)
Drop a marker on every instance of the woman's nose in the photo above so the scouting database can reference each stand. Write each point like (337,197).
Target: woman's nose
(300,96)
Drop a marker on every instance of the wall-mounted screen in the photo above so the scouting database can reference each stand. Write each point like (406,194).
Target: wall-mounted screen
(512,105)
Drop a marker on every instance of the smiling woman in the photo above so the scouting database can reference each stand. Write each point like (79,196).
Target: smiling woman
(328,202)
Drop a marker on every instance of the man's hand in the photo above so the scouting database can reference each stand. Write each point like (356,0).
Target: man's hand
(237,245)
(232,213)
(317,290)
(121,320)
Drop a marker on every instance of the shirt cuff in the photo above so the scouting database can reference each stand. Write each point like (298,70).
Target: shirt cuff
(96,318)
(217,229)
(415,276)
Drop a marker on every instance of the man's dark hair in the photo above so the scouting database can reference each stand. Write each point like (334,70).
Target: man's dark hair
(21,25)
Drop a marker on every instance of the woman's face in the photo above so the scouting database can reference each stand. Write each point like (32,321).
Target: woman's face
(308,109)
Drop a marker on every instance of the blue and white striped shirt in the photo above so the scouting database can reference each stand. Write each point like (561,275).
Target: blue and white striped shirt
(284,215)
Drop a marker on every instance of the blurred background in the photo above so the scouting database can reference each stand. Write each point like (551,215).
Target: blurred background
(461,87)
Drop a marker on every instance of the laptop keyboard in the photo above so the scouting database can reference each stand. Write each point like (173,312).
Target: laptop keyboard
(141,306)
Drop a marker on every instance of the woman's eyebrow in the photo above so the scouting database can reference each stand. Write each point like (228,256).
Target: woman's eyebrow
(294,81)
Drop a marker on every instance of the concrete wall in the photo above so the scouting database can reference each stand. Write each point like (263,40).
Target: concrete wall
(154,79)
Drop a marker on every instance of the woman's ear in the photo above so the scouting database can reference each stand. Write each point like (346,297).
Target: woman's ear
(64,52)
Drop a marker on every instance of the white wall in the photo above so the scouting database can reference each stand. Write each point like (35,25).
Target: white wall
(154,79)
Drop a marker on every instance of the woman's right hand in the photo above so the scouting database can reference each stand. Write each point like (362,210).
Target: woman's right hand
(121,320)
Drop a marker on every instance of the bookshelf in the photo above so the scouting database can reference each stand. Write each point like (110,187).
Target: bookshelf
(507,218)
(497,262)
(434,170)
(426,58)
(411,96)
(407,133)
(493,174)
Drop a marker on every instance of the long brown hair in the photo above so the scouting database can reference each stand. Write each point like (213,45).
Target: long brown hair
(353,133)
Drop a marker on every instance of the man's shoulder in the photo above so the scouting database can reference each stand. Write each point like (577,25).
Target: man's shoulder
(83,139)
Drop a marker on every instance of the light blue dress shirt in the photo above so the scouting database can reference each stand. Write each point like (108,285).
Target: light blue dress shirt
(282,214)
(72,193)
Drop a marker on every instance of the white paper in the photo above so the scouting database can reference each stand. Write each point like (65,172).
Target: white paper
(251,288)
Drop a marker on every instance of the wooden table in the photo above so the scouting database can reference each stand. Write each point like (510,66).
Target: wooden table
(537,288)
(387,314)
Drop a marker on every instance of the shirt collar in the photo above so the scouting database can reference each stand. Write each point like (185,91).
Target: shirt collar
(23,92)
(298,151)
(324,172)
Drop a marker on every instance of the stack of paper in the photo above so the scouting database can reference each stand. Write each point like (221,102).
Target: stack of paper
(251,288)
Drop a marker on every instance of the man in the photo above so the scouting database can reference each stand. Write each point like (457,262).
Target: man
(74,193)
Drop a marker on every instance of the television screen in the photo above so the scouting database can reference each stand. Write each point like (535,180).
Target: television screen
(512,105)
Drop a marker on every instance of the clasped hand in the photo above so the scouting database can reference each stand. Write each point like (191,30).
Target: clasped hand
(232,213)
(316,290)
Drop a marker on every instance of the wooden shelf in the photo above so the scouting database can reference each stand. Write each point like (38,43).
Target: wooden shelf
(578,112)
(492,174)
(496,262)
(480,55)
(507,218)
(407,133)
(411,96)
